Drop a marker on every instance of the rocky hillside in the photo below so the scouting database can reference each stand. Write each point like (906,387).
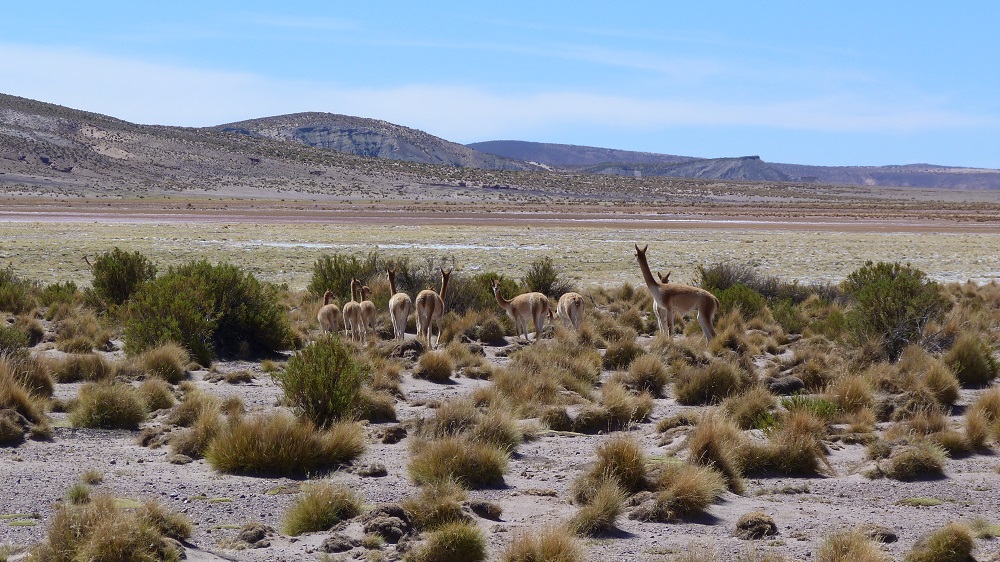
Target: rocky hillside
(370,137)
(630,163)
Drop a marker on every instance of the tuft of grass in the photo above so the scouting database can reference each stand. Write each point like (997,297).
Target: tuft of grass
(621,353)
(499,428)
(708,384)
(31,373)
(78,494)
(278,445)
(108,405)
(92,477)
(194,441)
(168,522)
(718,443)
(157,394)
(320,505)
(167,362)
(646,373)
(683,490)
(752,408)
(850,546)
(818,406)
(852,393)
(81,367)
(452,542)
(622,459)
(923,459)
(438,503)
(951,543)
(549,544)
(622,407)
(469,463)
(599,514)
(435,366)
(972,359)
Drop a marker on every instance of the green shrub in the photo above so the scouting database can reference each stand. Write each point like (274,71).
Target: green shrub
(108,405)
(207,309)
(119,274)
(61,292)
(15,292)
(334,273)
(972,359)
(280,445)
(789,316)
(321,505)
(322,380)
(476,292)
(12,340)
(542,277)
(740,297)
(891,303)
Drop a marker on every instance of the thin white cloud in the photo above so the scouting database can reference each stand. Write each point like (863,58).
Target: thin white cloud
(146,92)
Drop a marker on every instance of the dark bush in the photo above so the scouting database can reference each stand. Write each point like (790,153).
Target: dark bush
(12,340)
(322,380)
(119,274)
(208,309)
(789,317)
(66,292)
(542,277)
(739,296)
(15,292)
(892,304)
(721,276)
(334,273)
(476,292)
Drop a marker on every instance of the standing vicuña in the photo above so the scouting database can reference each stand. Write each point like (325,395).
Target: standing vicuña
(367,313)
(352,313)
(399,307)
(522,307)
(678,298)
(329,314)
(570,309)
(430,309)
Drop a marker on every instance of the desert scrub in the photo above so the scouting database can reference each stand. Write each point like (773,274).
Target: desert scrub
(322,380)
(470,463)
(752,409)
(279,445)
(620,459)
(708,384)
(718,443)
(157,394)
(850,546)
(552,543)
(167,362)
(335,272)
(108,405)
(436,504)
(951,543)
(453,542)
(15,292)
(620,354)
(600,509)
(646,373)
(543,277)
(207,309)
(972,359)
(80,367)
(12,340)
(319,506)
(435,366)
(100,530)
(682,490)
(892,303)
(118,275)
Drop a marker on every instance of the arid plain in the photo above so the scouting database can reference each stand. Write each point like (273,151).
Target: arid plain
(952,236)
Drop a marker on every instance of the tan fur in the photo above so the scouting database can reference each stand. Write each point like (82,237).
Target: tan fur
(522,307)
(352,313)
(675,298)
(329,314)
(430,308)
(399,307)
(367,313)
(570,309)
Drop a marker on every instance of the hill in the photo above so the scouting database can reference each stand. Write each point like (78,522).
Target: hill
(371,138)
(646,164)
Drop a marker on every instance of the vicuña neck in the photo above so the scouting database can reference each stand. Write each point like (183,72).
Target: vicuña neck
(444,287)
(392,283)
(646,274)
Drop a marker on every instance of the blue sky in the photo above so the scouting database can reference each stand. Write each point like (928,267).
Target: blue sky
(827,83)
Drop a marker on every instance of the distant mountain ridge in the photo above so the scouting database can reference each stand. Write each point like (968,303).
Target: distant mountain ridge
(371,138)
(595,160)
